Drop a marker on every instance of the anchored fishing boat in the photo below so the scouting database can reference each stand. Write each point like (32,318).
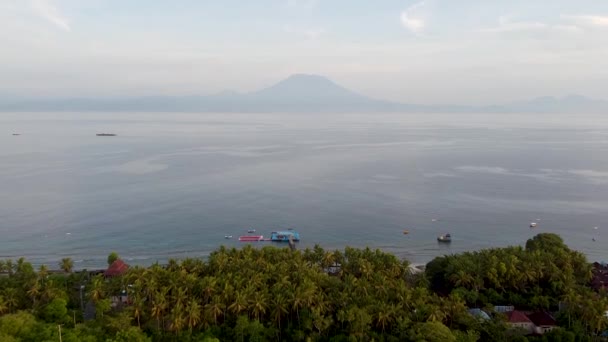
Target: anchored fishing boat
(444,238)
(251,238)
(284,236)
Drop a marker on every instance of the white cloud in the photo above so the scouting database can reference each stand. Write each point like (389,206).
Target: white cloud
(414,18)
(588,20)
(505,24)
(46,10)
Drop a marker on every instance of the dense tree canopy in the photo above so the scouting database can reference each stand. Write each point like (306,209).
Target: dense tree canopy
(270,294)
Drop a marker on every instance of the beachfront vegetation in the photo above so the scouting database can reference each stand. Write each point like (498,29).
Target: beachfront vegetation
(272,294)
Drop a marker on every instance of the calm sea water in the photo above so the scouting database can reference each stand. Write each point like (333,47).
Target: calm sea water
(172,185)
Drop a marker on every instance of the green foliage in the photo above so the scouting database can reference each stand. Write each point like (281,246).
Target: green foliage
(432,332)
(67,265)
(535,278)
(272,294)
(132,334)
(112,257)
(56,311)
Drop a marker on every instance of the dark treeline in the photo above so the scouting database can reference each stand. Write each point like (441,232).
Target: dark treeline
(275,294)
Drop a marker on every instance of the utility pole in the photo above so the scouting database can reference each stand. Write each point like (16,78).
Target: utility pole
(81,301)
(59,327)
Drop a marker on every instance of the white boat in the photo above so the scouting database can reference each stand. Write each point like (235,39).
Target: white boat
(251,230)
(227,236)
(532,224)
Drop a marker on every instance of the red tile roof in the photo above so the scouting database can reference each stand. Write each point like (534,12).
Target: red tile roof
(117,268)
(542,319)
(517,317)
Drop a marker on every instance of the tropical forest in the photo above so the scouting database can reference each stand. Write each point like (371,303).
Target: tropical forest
(279,294)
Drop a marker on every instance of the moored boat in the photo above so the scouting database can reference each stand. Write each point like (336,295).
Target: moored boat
(444,238)
(227,236)
(251,238)
(284,236)
(406,232)
(250,230)
(106,134)
(533,224)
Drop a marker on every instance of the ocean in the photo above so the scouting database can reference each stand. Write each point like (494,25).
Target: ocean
(172,185)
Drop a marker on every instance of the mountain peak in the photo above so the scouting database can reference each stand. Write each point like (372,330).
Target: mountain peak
(308,87)
(307,77)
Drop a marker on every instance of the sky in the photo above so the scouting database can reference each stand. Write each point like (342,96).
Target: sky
(432,51)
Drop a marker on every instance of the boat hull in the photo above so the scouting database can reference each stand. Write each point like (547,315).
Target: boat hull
(285,236)
(251,238)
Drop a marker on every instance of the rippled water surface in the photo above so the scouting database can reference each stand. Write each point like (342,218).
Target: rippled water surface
(172,185)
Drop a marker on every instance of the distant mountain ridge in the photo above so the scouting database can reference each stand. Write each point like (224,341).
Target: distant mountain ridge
(296,93)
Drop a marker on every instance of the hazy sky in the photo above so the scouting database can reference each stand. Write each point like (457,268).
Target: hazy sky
(431,51)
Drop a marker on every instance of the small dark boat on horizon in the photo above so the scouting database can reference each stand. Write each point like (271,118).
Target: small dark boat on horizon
(106,134)
(444,238)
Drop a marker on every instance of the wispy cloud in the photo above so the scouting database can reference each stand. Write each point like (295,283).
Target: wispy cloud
(505,25)
(48,11)
(414,18)
(588,20)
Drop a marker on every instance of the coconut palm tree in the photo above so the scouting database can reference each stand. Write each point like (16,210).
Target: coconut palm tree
(193,314)
(10,298)
(258,305)
(97,289)
(215,308)
(159,305)
(279,309)
(239,305)
(3,305)
(34,292)
(177,318)
(67,265)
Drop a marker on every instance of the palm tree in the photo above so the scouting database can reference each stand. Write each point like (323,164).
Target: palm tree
(34,292)
(9,267)
(159,305)
(10,298)
(3,305)
(43,272)
(177,322)
(239,304)
(67,265)
(137,309)
(384,315)
(97,292)
(462,278)
(193,312)
(215,308)
(279,308)
(258,305)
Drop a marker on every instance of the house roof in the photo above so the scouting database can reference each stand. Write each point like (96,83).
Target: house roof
(517,317)
(479,313)
(117,268)
(542,319)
